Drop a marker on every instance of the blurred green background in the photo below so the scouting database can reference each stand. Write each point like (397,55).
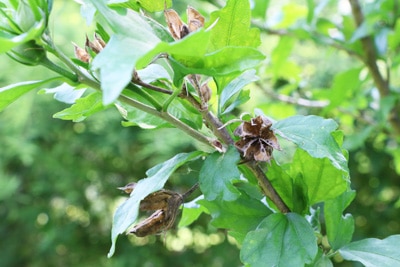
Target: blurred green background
(58,179)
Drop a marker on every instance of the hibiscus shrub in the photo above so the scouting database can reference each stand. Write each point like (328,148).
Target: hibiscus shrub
(279,188)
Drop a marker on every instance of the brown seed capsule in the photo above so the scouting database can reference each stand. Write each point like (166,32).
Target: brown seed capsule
(257,140)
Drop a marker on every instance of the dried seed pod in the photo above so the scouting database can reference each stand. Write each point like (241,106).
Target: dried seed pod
(257,140)
(81,54)
(162,219)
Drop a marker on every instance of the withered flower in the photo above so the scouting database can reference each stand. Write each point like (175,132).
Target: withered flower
(257,140)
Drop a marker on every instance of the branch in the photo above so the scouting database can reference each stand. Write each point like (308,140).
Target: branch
(267,187)
(370,59)
(370,56)
(295,100)
(323,38)
(217,128)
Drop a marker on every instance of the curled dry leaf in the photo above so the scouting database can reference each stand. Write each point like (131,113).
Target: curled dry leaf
(257,140)
(178,28)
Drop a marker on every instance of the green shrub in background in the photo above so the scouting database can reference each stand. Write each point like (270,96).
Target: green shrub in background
(287,212)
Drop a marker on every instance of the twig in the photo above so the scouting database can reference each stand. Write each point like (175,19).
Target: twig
(190,191)
(151,87)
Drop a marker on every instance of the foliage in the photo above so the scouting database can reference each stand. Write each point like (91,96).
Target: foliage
(288,211)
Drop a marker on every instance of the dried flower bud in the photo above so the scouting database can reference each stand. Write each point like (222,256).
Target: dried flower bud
(81,54)
(257,140)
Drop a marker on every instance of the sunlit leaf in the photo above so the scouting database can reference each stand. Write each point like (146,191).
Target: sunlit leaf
(127,213)
(323,180)
(233,26)
(64,93)
(233,88)
(133,38)
(372,252)
(313,134)
(12,92)
(83,108)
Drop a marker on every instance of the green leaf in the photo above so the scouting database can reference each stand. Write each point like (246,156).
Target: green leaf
(64,93)
(155,5)
(12,92)
(191,211)
(323,181)
(259,8)
(239,216)
(313,134)
(345,85)
(339,228)
(282,183)
(83,108)
(190,55)
(233,26)
(217,175)
(321,260)
(280,240)
(373,252)
(233,88)
(133,38)
(127,213)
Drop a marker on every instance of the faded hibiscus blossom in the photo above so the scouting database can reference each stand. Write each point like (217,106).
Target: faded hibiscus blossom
(257,140)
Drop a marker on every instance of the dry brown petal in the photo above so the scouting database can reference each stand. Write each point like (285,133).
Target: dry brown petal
(176,26)
(195,19)
(99,40)
(81,54)
(95,46)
